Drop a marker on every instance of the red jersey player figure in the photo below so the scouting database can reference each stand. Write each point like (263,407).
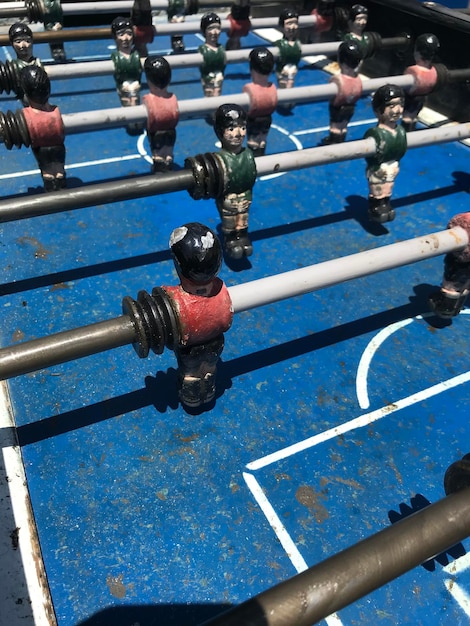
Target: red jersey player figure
(163,115)
(342,107)
(390,139)
(240,169)
(455,287)
(263,99)
(203,308)
(425,75)
(45,127)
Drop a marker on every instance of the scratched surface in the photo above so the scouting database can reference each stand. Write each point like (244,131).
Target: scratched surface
(149,515)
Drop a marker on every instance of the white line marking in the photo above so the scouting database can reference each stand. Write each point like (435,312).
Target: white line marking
(294,140)
(367,356)
(458,566)
(459,595)
(74,166)
(281,533)
(371,349)
(359,422)
(15,507)
(322,129)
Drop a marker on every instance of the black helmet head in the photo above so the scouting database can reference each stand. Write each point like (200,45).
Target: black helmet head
(349,53)
(383,96)
(326,7)
(35,83)
(357,9)
(208,19)
(157,71)
(427,45)
(196,252)
(261,60)
(120,24)
(287,14)
(18,30)
(227,115)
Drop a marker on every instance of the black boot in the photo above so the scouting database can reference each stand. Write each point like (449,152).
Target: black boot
(380,210)
(234,248)
(245,242)
(333,138)
(177,43)
(445,305)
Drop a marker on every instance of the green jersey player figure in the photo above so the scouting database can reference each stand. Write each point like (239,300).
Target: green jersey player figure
(127,67)
(240,175)
(390,138)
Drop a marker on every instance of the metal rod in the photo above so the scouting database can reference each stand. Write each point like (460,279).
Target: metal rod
(193,59)
(351,574)
(93,195)
(30,356)
(142,186)
(161,28)
(86,121)
(314,277)
(20,9)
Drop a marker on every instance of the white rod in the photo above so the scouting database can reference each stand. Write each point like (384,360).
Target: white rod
(87,69)
(83,8)
(314,277)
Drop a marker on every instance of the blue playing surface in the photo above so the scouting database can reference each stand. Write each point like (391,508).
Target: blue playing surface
(147,514)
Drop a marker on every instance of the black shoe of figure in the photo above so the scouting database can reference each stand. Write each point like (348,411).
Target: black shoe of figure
(245,242)
(234,248)
(380,210)
(332,138)
(177,43)
(445,305)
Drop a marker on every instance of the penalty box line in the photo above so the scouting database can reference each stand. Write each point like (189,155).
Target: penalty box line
(359,422)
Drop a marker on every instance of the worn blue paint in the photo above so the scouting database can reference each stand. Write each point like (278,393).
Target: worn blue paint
(142,510)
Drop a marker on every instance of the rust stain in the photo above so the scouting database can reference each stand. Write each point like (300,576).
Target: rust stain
(18,335)
(116,586)
(309,498)
(40,252)
(187,439)
(58,286)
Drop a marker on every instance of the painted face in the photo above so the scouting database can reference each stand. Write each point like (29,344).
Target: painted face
(212,34)
(124,40)
(291,28)
(233,137)
(23,46)
(393,111)
(359,24)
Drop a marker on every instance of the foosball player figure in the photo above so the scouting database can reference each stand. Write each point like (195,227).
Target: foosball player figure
(127,67)
(143,29)
(240,169)
(21,39)
(162,108)
(239,18)
(455,286)
(324,14)
(176,13)
(213,56)
(203,309)
(357,22)
(45,127)
(349,85)
(54,15)
(425,76)
(263,99)
(290,52)
(390,138)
